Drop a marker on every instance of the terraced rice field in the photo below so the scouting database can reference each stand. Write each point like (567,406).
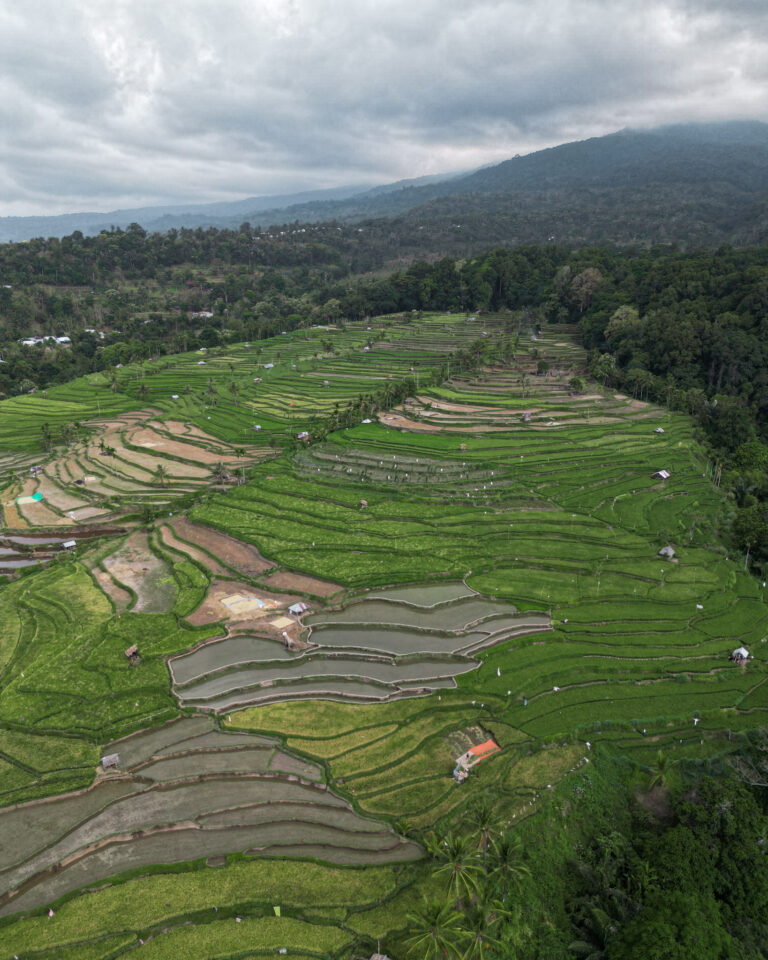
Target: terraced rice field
(372,649)
(185,791)
(480,561)
(127,462)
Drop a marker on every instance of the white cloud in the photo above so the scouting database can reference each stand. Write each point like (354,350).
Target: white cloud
(118,103)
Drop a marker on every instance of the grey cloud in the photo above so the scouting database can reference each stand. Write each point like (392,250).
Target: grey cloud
(128,102)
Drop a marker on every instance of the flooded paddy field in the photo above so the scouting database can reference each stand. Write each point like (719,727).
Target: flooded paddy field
(183,791)
(371,648)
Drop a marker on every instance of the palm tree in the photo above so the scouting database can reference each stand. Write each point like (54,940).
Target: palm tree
(482,814)
(458,865)
(506,861)
(660,770)
(436,931)
(161,475)
(143,391)
(219,470)
(234,389)
(211,392)
(481,928)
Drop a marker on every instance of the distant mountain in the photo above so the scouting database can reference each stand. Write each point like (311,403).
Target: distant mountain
(695,184)
(734,154)
(175,216)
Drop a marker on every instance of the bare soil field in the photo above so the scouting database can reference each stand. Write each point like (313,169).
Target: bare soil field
(241,556)
(57,497)
(241,606)
(404,423)
(187,451)
(175,544)
(86,513)
(121,598)
(147,575)
(287,580)
(39,515)
(11,516)
(151,463)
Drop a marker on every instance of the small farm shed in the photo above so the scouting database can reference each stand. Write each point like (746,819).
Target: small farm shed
(526,416)
(298,608)
(303,435)
(472,757)
(35,470)
(667,552)
(740,654)
(662,475)
(363,504)
(659,430)
(69,545)
(110,761)
(133,654)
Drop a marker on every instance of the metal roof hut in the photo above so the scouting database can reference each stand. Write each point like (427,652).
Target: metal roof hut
(110,761)
(472,757)
(740,655)
(661,475)
(69,545)
(363,504)
(298,608)
(659,430)
(133,654)
(667,552)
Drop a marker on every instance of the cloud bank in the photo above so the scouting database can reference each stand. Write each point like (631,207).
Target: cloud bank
(129,102)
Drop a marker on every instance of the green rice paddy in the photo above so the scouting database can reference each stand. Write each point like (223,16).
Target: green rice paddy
(482,558)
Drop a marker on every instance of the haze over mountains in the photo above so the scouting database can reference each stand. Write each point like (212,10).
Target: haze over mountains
(700,184)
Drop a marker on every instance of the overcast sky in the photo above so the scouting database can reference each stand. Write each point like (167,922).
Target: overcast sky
(114,103)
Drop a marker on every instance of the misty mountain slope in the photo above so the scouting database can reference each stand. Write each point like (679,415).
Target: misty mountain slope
(695,184)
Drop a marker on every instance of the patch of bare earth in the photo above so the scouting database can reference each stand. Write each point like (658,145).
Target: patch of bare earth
(57,497)
(121,598)
(176,448)
(245,608)
(203,558)
(11,516)
(87,513)
(403,423)
(144,573)
(38,515)
(286,580)
(237,554)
